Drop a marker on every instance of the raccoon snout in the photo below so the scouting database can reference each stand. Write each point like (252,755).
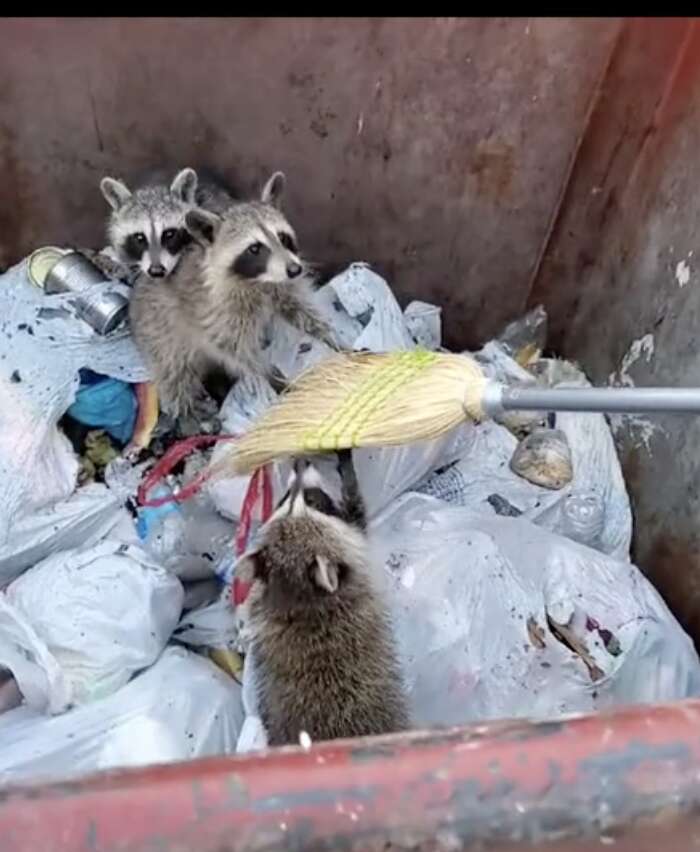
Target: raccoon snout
(294,269)
(156,270)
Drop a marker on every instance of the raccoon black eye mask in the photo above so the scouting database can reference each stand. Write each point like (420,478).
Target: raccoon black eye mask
(252,262)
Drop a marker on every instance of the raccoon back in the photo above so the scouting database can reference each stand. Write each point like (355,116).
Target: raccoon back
(332,673)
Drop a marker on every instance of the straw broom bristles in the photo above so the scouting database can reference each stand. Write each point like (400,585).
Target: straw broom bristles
(363,400)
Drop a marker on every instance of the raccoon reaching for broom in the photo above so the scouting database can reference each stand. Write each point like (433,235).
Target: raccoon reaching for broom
(146,228)
(242,269)
(320,636)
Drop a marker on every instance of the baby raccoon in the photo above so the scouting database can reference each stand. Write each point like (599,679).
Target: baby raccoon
(216,308)
(320,636)
(146,229)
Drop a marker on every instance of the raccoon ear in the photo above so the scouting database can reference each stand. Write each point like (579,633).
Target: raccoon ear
(202,225)
(274,189)
(184,185)
(326,574)
(115,192)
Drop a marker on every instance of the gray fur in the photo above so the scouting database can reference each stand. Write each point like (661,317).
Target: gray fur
(321,638)
(274,190)
(204,313)
(153,209)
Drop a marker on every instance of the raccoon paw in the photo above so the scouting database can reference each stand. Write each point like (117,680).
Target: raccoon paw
(200,417)
(110,268)
(189,425)
(278,381)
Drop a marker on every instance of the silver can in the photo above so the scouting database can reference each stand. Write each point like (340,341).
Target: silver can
(101,308)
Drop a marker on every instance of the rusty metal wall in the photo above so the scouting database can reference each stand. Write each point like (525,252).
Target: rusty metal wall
(436,148)
(486,164)
(627,780)
(623,265)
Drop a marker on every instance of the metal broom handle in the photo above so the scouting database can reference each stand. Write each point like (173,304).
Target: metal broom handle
(498,398)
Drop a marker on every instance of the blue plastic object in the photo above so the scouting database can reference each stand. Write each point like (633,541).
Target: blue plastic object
(105,403)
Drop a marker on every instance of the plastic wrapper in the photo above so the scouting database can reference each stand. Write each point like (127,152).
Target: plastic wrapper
(182,707)
(77,626)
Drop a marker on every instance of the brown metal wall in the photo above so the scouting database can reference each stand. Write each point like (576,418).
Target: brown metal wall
(435,148)
(478,163)
(630,215)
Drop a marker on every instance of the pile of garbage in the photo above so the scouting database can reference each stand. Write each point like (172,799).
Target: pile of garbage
(502,548)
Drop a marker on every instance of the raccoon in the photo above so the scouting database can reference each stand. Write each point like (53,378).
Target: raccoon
(242,270)
(320,637)
(146,229)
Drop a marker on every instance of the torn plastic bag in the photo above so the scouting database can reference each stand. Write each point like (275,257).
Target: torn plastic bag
(78,625)
(43,347)
(364,298)
(83,519)
(478,602)
(182,707)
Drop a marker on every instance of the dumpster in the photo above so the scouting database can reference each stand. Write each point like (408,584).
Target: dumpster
(484,165)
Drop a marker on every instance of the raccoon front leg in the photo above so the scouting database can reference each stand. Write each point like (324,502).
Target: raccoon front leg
(304,317)
(110,268)
(180,388)
(353,502)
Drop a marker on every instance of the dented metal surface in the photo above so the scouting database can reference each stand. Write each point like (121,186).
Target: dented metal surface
(462,158)
(620,270)
(434,148)
(622,779)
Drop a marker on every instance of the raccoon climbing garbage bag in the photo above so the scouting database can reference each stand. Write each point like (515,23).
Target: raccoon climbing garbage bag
(182,707)
(364,314)
(496,617)
(77,626)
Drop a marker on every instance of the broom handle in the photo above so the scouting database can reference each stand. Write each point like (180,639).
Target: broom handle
(499,398)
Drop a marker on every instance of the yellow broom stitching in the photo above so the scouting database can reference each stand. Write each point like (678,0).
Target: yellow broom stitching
(362,403)
(362,400)
(361,407)
(281,431)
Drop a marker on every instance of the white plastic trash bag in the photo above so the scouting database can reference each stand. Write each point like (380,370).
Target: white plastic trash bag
(212,626)
(85,518)
(483,468)
(182,707)
(476,601)
(43,346)
(77,626)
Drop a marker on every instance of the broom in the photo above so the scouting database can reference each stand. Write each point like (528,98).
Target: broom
(365,399)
